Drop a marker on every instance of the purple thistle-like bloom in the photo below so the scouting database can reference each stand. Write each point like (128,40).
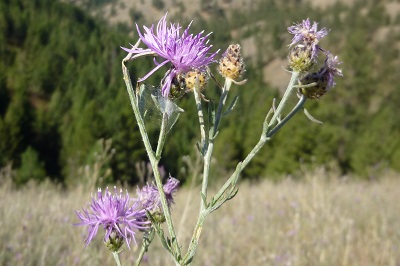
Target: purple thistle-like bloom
(330,70)
(115,214)
(320,82)
(307,34)
(149,197)
(184,52)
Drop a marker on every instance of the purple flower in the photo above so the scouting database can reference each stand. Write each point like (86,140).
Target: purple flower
(321,81)
(170,188)
(330,70)
(149,197)
(114,213)
(184,52)
(307,34)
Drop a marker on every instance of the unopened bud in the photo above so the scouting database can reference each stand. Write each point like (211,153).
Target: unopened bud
(315,85)
(178,87)
(157,216)
(114,241)
(196,79)
(301,58)
(231,64)
(319,89)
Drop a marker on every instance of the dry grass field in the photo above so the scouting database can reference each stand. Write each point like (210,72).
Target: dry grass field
(321,220)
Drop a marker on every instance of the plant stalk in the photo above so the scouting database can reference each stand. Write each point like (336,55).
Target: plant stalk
(153,157)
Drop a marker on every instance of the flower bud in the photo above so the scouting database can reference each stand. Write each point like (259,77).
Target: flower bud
(114,241)
(231,64)
(196,79)
(316,91)
(158,216)
(300,58)
(320,82)
(178,87)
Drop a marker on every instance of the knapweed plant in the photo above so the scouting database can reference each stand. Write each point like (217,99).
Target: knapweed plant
(189,62)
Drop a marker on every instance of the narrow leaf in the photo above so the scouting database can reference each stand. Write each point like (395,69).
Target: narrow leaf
(309,116)
(231,106)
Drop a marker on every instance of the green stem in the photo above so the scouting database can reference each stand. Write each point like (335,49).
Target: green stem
(153,157)
(136,111)
(265,137)
(143,250)
(163,199)
(206,172)
(162,136)
(285,97)
(148,237)
(199,108)
(116,258)
(225,91)
(210,147)
(297,108)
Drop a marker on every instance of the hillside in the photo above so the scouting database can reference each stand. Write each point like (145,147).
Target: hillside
(61,88)
(130,12)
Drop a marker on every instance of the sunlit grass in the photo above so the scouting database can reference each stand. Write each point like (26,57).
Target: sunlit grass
(318,221)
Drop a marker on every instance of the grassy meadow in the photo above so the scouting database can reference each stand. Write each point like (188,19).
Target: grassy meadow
(321,220)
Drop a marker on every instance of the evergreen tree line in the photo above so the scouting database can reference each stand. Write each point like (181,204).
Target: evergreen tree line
(61,90)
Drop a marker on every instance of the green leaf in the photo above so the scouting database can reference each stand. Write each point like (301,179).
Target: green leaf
(231,106)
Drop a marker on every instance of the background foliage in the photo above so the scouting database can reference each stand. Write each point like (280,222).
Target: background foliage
(61,90)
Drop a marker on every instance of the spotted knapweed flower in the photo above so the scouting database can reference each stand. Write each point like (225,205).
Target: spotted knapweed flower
(318,83)
(231,64)
(196,79)
(149,197)
(307,35)
(184,52)
(116,215)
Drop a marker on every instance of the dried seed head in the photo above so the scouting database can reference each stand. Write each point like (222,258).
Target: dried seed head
(231,64)
(196,79)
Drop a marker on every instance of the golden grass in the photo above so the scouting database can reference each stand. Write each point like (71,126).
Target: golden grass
(312,222)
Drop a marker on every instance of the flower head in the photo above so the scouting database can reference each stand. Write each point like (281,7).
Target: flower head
(319,83)
(113,212)
(184,52)
(196,79)
(330,69)
(300,58)
(307,34)
(149,197)
(231,64)
(170,188)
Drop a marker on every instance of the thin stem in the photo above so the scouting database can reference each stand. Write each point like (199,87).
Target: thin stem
(153,157)
(148,237)
(157,176)
(265,137)
(162,136)
(116,258)
(199,107)
(285,97)
(143,250)
(210,147)
(136,111)
(225,91)
(206,171)
(245,162)
(297,108)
